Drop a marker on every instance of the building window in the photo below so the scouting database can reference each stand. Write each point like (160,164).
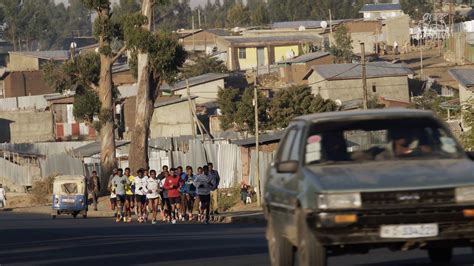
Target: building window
(374,88)
(242,53)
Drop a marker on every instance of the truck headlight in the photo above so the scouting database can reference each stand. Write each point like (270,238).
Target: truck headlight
(464,194)
(339,201)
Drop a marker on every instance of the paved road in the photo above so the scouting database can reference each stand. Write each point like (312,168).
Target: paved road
(36,239)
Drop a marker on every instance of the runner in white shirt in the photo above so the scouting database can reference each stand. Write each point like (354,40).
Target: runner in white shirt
(113,196)
(141,192)
(3,196)
(153,195)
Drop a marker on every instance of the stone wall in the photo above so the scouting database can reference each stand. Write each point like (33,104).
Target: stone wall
(26,126)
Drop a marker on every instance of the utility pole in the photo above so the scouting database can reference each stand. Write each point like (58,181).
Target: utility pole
(257,158)
(194,44)
(364,76)
(199,18)
(421,59)
(191,115)
(330,28)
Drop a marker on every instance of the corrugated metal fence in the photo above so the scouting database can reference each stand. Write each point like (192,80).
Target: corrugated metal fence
(18,175)
(61,164)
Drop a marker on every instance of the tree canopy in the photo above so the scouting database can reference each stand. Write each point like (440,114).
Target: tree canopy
(342,49)
(202,65)
(295,101)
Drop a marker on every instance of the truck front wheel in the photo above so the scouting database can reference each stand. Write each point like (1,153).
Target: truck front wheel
(310,251)
(279,248)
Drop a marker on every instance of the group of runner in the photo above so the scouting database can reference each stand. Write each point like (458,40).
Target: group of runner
(172,193)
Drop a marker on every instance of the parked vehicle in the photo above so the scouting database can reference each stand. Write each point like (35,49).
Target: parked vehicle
(69,196)
(348,182)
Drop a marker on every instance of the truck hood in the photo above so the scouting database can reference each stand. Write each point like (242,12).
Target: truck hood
(392,175)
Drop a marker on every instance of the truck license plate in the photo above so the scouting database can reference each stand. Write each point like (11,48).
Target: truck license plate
(68,200)
(409,231)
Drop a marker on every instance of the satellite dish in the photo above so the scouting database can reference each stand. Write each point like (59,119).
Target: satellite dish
(302,28)
(338,102)
(324,24)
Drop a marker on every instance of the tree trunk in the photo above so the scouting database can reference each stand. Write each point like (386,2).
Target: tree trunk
(145,100)
(107,136)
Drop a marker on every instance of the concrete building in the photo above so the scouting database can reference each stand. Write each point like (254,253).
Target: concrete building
(465,79)
(205,87)
(33,61)
(172,118)
(66,127)
(381,11)
(203,40)
(294,70)
(343,81)
(397,29)
(361,31)
(23,83)
(250,52)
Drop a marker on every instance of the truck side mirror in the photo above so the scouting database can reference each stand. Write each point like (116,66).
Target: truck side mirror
(287,167)
(470,155)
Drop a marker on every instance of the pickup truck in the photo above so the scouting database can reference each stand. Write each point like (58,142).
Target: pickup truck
(348,182)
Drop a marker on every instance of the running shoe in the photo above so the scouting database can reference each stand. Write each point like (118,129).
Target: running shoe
(153,222)
(129,220)
(118,219)
(206,221)
(173,221)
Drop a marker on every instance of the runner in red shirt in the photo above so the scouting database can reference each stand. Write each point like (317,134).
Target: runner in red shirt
(172,185)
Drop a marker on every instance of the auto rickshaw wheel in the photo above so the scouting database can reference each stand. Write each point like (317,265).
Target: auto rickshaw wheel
(74,214)
(54,216)
(84,214)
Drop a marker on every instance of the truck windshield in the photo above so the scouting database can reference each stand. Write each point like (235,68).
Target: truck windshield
(379,140)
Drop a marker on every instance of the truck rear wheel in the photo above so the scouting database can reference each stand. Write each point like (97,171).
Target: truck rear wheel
(310,251)
(440,255)
(279,248)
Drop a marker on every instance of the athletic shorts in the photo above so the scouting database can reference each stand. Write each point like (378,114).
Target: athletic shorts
(205,198)
(176,200)
(129,198)
(121,198)
(113,200)
(140,198)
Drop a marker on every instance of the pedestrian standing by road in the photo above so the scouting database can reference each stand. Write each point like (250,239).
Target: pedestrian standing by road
(129,195)
(113,196)
(141,191)
(153,194)
(213,174)
(204,183)
(172,185)
(3,196)
(93,187)
(119,183)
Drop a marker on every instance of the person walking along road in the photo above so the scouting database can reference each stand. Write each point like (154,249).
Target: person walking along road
(93,188)
(213,174)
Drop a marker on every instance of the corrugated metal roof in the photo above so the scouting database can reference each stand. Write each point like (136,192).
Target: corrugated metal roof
(173,101)
(49,55)
(249,41)
(265,138)
(194,81)
(380,7)
(305,58)
(354,71)
(305,23)
(464,76)
(94,148)
(120,67)
(219,32)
